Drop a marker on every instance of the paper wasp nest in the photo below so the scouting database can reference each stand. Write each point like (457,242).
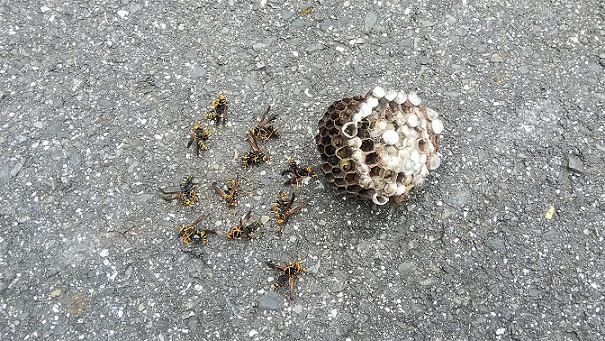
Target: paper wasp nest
(379,146)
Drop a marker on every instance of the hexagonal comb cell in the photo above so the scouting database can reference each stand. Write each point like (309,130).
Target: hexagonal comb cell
(380,146)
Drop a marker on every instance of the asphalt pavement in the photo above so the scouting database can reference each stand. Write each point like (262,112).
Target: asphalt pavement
(97,104)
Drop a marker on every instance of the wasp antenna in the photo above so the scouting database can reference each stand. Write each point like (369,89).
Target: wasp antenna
(199,219)
(247,216)
(262,120)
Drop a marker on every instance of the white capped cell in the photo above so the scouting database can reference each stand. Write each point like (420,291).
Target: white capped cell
(385,159)
(401,98)
(415,156)
(365,182)
(363,168)
(418,181)
(437,126)
(412,120)
(424,171)
(390,137)
(423,158)
(395,163)
(432,114)
(408,168)
(390,189)
(435,162)
(404,130)
(414,99)
(381,125)
(354,142)
(390,95)
(372,102)
(378,92)
(365,110)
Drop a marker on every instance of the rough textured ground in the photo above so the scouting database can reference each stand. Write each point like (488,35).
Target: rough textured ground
(97,101)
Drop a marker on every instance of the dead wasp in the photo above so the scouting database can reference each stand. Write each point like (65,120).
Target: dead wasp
(232,192)
(200,135)
(255,156)
(243,230)
(219,110)
(187,194)
(191,235)
(265,130)
(299,174)
(283,208)
(288,274)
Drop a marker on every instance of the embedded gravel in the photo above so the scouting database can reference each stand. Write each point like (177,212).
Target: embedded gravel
(97,103)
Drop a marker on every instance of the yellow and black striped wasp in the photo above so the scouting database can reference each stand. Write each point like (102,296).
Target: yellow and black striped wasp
(219,110)
(265,130)
(192,235)
(283,208)
(299,174)
(255,156)
(232,193)
(243,230)
(288,274)
(201,133)
(187,194)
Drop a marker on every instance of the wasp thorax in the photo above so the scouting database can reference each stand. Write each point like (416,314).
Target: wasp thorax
(380,146)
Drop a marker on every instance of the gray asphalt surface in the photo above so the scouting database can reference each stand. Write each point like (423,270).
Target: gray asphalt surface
(97,102)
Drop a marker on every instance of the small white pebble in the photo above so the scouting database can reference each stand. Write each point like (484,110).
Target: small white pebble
(340,49)
(252,333)
(123,14)
(104,253)
(500,331)
(44,9)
